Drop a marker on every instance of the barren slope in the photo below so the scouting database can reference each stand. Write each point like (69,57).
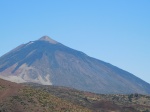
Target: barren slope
(48,62)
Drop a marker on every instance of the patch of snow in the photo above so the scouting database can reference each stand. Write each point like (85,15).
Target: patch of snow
(31,42)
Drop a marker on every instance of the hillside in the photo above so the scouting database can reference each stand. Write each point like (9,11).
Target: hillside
(101,102)
(32,97)
(19,98)
(48,62)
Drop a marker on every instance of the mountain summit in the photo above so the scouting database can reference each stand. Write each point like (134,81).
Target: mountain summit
(47,62)
(46,38)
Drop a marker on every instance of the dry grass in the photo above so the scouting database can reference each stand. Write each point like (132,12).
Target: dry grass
(19,98)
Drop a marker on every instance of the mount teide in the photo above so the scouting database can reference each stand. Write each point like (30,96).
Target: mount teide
(46,61)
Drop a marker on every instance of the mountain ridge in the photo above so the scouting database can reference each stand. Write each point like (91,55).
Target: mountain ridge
(44,62)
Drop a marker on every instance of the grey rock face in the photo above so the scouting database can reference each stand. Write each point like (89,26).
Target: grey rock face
(46,61)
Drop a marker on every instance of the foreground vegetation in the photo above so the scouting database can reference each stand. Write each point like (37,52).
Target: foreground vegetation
(101,102)
(33,100)
(37,98)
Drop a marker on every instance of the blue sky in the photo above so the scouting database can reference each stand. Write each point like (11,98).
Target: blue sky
(115,31)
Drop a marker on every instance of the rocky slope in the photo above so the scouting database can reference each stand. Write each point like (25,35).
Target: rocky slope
(46,61)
